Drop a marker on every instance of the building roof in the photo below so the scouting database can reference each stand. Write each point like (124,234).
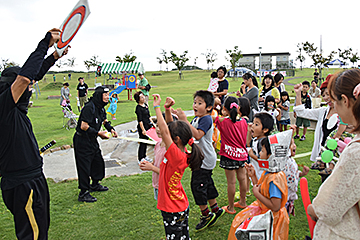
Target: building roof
(265,54)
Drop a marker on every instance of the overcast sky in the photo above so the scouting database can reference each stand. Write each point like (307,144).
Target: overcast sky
(115,27)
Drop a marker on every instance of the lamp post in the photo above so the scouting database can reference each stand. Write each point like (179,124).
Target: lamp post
(260,63)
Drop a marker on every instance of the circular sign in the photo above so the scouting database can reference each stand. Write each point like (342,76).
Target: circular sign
(71,26)
(132,78)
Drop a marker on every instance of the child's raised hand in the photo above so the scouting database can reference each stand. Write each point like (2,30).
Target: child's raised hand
(157,100)
(250,169)
(298,88)
(169,102)
(181,114)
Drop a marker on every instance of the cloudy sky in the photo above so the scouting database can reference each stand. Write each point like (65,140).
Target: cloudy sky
(145,27)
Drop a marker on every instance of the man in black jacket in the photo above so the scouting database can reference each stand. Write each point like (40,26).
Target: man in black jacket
(23,184)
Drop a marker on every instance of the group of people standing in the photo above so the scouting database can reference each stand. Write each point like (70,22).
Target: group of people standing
(335,209)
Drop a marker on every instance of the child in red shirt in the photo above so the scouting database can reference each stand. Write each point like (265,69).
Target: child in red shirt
(233,152)
(172,200)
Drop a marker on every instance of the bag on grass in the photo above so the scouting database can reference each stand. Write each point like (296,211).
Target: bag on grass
(259,227)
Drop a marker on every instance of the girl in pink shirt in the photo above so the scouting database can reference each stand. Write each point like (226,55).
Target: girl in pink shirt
(233,152)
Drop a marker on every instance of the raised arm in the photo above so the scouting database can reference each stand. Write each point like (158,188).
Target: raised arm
(164,130)
(33,64)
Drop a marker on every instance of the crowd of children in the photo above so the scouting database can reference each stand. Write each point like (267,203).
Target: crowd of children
(259,152)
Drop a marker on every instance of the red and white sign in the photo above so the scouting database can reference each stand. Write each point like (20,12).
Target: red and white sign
(72,24)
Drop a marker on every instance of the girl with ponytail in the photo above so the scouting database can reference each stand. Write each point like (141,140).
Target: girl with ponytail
(233,154)
(172,200)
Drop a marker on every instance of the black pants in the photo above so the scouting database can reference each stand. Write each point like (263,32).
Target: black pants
(142,146)
(89,161)
(29,203)
(176,225)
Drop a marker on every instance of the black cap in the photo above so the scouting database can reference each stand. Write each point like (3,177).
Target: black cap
(140,73)
(10,74)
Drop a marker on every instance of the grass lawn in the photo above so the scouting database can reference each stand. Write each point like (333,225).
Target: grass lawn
(128,209)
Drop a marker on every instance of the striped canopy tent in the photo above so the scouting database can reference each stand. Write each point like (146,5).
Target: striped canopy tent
(118,67)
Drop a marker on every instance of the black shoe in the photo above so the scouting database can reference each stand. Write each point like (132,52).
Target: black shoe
(98,188)
(204,221)
(86,197)
(218,214)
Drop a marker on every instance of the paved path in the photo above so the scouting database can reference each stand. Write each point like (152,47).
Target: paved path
(286,81)
(120,156)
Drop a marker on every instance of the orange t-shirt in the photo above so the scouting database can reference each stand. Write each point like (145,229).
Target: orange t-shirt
(171,195)
(281,217)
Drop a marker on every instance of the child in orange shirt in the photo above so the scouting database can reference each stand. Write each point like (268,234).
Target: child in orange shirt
(271,189)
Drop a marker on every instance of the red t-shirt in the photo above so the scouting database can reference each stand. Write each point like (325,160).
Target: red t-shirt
(233,138)
(171,195)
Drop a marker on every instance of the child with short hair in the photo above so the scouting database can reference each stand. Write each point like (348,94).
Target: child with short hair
(284,106)
(202,184)
(271,109)
(306,101)
(159,153)
(113,105)
(271,190)
(233,152)
(261,128)
(214,82)
(173,202)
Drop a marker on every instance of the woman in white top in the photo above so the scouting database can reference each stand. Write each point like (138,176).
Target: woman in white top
(336,207)
(321,115)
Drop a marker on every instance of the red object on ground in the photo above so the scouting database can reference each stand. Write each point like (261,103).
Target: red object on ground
(306,201)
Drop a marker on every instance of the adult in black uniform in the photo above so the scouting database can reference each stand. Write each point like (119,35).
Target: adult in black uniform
(88,158)
(23,184)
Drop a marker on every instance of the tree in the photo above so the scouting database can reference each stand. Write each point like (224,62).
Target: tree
(195,59)
(5,63)
(300,57)
(179,61)
(354,58)
(59,64)
(234,57)
(70,62)
(318,59)
(165,58)
(160,61)
(92,62)
(128,57)
(210,57)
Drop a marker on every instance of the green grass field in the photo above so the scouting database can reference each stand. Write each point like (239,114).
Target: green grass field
(128,209)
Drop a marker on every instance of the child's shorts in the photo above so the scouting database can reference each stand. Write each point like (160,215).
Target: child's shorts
(230,164)
(284,122)
(202,186)
(302,122)
(176,224)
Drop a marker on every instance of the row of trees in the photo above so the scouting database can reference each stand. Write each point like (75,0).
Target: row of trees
(319,60)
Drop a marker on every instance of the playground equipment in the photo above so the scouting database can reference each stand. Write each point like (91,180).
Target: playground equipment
(128,83)
(125,82)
